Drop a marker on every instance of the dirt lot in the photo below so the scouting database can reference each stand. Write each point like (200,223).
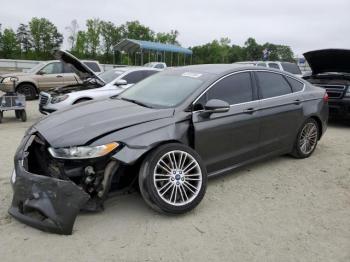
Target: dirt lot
(279,210)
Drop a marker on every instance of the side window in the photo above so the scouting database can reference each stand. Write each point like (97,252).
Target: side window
(261,64)
(134,77)
(52,68)
(295,84)
(274,65)
(272,84)
(93,66)
(67,68)
(160,66)
(233,89)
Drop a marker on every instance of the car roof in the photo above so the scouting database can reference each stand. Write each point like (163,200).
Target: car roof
(216,69)
(134,68)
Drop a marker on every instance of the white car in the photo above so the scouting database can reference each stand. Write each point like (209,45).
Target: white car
(93,87)
(283,66)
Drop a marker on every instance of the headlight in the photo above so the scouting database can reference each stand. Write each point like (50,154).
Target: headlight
(83,152)
(57,99)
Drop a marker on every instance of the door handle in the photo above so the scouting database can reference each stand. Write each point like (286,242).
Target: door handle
(249,110)
(58,76)
(297,101)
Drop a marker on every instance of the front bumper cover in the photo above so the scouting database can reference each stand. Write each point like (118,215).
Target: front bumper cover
(44,202)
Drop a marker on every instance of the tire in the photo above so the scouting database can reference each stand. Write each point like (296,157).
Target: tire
(28,90)
(18,114)
(23,115)
(307,139)
(178,187)
(1,116)
(81,101)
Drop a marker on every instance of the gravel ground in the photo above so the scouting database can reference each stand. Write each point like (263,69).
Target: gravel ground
(278,210)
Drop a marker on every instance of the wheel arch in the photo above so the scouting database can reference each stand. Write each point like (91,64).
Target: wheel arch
(81,98)
(28,83)
(319,124)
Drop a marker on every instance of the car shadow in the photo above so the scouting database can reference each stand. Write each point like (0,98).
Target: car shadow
(334,122)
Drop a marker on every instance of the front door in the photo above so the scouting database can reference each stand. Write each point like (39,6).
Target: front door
(51,75)
(224,140)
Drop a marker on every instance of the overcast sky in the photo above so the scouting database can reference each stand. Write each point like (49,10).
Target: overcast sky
(302,24)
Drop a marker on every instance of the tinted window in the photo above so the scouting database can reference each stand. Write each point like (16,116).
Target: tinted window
(52,68)
(67,68)
(295,84)
(261,64)
(160,66)
(274,65)
(233,89)
(291,68)
(134,77)
(272,84)
(93,66)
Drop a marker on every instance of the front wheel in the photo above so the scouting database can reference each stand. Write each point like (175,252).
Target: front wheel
(307,139)
(173,179)
(23,115)
(28,90)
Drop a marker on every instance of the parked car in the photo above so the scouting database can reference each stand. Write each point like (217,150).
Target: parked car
(169,133)
(107,84)
(283,66)
(44,76)
(159,65)
(331,71)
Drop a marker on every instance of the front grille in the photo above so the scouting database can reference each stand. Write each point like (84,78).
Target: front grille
(43,99)
(334,91)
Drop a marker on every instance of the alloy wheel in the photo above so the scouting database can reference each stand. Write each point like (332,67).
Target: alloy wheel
(308,138)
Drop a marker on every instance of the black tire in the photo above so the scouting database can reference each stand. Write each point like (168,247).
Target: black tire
(81,101)
(18,114)
(1,116)
(298,152)
(28,90)
(23,115)
(147,183)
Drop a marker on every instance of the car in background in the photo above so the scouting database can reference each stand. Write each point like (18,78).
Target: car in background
(283,66)
(331,71)
(159,65)
(43,76)
(166,135)
(92,86)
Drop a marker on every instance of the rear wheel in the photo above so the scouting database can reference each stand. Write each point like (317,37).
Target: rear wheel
(173,179)
(307,139)
(23,115)
(28,90)
(18,114)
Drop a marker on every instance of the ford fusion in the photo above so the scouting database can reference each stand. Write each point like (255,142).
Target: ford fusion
(166,135)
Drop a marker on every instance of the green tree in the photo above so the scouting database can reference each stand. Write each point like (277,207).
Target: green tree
(111,35)
(93,36)
(81,45)
(134,30)
(168,38)
(9,44)
(253,51)
(24,39)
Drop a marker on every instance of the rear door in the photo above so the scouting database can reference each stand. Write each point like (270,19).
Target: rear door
(51,75)
(70,78)
(227,139)
(280,112)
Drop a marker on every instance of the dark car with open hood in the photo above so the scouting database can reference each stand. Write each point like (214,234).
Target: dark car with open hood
(165,135)
(331,71)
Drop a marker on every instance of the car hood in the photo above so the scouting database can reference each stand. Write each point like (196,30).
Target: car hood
(82,70)
(329,60)
(83,123)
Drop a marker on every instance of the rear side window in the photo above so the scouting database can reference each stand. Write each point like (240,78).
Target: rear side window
(291,68)
(274,65)
(272,84)
(261,64)
(93,66)
(295,84)
(233,89)
(134,77)
(160,66)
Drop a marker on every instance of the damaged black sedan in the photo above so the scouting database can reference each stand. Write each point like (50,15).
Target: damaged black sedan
(166,135)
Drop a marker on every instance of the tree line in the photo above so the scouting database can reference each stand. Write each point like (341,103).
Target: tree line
(39,36)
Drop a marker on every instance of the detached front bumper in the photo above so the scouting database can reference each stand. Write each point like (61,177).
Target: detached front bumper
(44,202)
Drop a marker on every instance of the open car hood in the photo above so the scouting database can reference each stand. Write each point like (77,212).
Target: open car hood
(82,70)
(329,60)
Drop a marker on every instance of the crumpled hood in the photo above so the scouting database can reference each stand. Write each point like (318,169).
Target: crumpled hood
(83,123)
(329,60)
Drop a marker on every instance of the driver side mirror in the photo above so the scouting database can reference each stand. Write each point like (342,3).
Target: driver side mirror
(40,73)
(216,106)
(121,82)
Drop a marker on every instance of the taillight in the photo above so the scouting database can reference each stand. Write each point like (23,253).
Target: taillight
(325,97)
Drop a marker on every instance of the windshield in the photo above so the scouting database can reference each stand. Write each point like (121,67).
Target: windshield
(110,75)
(291,68)
(162,90)
(36,68)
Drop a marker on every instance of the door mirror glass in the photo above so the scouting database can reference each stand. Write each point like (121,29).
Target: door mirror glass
(120,82)
(216,106)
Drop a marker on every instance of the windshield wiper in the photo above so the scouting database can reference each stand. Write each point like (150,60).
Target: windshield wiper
(135,102)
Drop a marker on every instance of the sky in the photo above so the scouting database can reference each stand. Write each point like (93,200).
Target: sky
(304,25)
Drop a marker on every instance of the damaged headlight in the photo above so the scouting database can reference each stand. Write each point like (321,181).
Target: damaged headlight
(57,99)
(82,152)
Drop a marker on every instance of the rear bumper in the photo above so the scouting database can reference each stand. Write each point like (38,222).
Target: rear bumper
(339,108)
